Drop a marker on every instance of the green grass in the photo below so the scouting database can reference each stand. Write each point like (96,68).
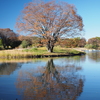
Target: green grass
(56,51)
(36,51)
(74,51)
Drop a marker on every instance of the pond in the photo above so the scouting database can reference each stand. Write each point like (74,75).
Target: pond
(64,78)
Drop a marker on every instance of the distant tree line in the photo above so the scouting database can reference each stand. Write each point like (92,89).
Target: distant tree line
(72,42)
(10,40)
(40,42)
(92,43)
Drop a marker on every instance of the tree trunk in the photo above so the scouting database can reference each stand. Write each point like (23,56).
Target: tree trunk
(50,46)
(51,69)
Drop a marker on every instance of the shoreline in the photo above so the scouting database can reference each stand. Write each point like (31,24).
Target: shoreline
(41,56)
(20,54)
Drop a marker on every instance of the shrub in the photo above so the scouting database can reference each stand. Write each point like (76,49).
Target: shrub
(91,46)
(1,45)
(24,44)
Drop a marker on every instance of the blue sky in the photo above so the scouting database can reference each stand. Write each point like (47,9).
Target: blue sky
(89,10)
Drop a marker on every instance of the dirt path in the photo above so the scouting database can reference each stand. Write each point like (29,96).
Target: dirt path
(80,49)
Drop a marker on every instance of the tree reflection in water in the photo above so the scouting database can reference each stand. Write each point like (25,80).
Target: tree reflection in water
(94,56)
(52,83)
(8,68)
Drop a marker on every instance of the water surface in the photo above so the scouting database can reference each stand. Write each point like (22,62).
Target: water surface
(66,78)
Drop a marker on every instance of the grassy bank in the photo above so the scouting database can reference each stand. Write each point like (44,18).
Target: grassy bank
(37,53)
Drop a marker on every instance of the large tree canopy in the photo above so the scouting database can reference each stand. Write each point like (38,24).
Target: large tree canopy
(50,20)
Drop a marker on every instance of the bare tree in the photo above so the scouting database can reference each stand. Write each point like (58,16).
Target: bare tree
(50,20)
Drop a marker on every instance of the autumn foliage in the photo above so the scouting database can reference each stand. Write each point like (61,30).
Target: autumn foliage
(50,21)
(72,42)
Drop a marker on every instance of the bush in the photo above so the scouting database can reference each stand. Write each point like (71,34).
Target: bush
(25,44)
(91,46)
(1,45)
